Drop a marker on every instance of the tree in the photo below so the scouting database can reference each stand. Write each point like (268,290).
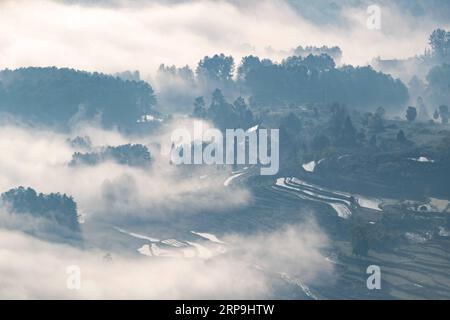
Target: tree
(54,207)
(333,52)
(338,116)
(218,67)
(321,63)
(436,115)
(440,44)
(411,114)
(248,63)
(172,73)
(360,241)
(222,113)
(314,78)
(199,108)
(439,84)
(80,142)
(60,97)
(217,98)
(348,132)
(135,155)
(444,113)
(375,122)
(240,105)
(246,118)
(401,138)
(186,73)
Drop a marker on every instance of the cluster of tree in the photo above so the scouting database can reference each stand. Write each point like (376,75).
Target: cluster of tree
(134,155)
(441,113)
(437,75)
(80,142)
(313,63)
(172,73)
(359,239)
(341,127)
(54,207)
(333,52)
(224,114)
(440,45)
(309,76)
(388,231)
(315,79)
(176,87)
(431,67)
(374,121)
(418,112)
(439,84)
(60,96)
(129,75)
(217,68)
(318,135)
(411,114)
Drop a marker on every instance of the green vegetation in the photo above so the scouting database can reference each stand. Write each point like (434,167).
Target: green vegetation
(59,97)
(55,215)
(135,155)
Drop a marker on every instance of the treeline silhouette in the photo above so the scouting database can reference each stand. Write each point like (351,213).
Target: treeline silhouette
(316,79)
(56,213)
(57,97)
(295,80)
(133,155)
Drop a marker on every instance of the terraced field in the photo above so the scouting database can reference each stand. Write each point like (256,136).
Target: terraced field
(416,268)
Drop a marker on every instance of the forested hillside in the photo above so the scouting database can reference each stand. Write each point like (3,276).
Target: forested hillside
(59,97)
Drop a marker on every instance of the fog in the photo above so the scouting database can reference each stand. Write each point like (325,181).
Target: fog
(34,269)
(123,35)
(31,267)
(39,158)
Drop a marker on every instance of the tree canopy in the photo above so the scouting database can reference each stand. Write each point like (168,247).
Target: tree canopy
(134,155)
(440,44)
(54,207)
(315,79)
(218,67)
(59,97)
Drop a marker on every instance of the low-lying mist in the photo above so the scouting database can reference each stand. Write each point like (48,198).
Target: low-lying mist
(39,158)
(34,266)
(33,269)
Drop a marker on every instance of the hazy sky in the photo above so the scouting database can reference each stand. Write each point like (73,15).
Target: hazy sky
(115,36)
